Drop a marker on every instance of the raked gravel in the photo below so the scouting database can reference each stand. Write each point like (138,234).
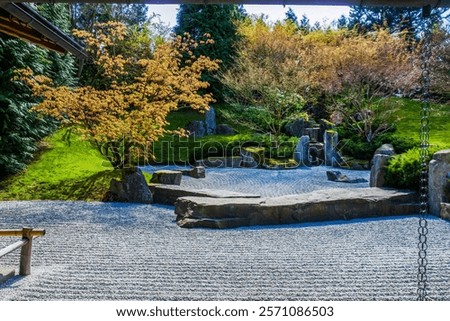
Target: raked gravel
(111,251)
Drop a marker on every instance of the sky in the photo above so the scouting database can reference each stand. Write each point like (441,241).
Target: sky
(321,14)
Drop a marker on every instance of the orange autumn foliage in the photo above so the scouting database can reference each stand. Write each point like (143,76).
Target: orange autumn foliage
(128,112)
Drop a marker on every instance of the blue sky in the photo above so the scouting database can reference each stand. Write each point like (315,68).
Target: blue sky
(314,13)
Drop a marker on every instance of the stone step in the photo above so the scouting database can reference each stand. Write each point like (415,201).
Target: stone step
(324,205)
(168,194)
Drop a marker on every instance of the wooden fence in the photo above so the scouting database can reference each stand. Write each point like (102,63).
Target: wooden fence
(25,244)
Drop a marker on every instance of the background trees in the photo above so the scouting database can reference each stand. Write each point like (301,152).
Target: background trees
(321,67)
(126,110)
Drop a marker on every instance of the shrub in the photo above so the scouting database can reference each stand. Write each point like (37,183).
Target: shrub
(404,170)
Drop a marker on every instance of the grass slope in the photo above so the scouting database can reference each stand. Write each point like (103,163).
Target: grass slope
(408,125)
(66,170)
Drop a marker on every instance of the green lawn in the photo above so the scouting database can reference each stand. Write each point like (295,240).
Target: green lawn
(65,170)
(408,125)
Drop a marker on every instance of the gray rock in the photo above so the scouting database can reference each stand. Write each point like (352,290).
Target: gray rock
(379,162)
(301,152)
(210,121)
(295,128)
(385,149)
(316,153)
(437,180)
(195,172)
(248,159)
(337,176)
(132,188)
(166,177)
(324,126)
(313,133)
(325,205)
(224,129)
(168,194)
(332,157)
(196,128)
(445,211)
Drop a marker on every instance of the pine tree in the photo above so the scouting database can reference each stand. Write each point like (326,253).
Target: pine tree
(217,22)
(408,20)
(85,15)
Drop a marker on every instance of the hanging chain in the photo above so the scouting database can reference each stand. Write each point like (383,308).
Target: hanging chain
(424,158)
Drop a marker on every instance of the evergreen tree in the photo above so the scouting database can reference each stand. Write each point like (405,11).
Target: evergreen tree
(342,22)
(291,16)
(396,19)
(20,129)
(218,22)
(85,15)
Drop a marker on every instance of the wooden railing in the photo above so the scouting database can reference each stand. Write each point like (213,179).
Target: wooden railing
(25,244)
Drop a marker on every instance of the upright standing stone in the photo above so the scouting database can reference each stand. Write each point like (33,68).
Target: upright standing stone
(331,141)
(313,133)
(437,180)
(301,152)
(210,121)
(379,162)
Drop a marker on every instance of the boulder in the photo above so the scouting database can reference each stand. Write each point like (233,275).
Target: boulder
(248,159)
(295,128)
(332,156)
(168,194)
(445,211)
(195,172)
(316,153)
(324,126)
(379,162)
(166,177)
(132,188)
(325,205)
(313,133)
(337,176)
(301,152)
(196,128)
(385,149)
(437,180)
(210,121)
(224,129)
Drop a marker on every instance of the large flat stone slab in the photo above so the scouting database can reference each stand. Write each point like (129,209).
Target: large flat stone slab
(168,194)
(324,205)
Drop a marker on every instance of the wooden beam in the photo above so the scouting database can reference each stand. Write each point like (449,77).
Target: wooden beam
(12,247)
(17,30)
(34,233)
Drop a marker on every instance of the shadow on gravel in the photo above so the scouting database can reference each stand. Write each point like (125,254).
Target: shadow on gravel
(334,223)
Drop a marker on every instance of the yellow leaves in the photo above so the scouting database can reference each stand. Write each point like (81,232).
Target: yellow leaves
(275,56)
(141,91)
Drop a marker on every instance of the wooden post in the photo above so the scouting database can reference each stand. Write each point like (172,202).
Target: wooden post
(25,253)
